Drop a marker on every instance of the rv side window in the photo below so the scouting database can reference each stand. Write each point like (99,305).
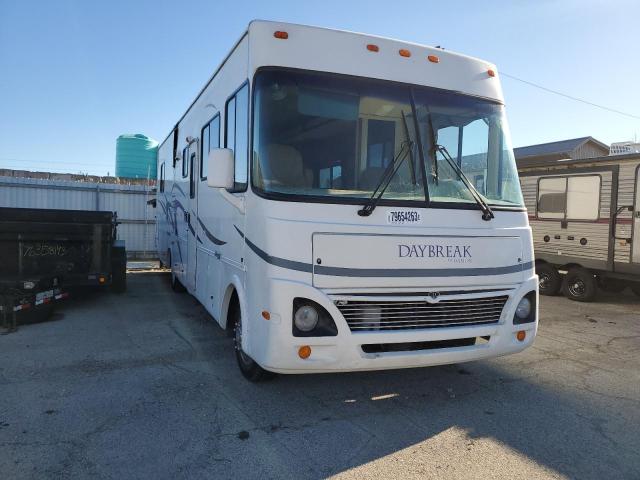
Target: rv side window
(210,140)
(237,134)
(185,162)
(571,198)
(552,197)
(162,177)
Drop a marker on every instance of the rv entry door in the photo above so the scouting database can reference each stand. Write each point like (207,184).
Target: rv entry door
(635,246)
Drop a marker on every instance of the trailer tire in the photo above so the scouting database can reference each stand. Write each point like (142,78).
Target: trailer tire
(580,285)
(249,367)
(635,288)
(549,279)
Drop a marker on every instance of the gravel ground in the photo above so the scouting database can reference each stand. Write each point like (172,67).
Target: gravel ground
(144,385)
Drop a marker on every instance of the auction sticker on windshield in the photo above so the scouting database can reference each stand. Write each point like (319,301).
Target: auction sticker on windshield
(404,217)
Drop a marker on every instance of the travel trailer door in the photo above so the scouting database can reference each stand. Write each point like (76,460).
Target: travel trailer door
(192,206)
(635,252)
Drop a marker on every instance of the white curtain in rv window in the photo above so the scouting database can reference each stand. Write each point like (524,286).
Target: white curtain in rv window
(583,197)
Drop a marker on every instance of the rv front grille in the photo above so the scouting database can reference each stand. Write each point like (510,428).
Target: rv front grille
(374,315)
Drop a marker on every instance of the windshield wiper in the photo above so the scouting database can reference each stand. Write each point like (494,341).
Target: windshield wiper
(487,213)
(387,176)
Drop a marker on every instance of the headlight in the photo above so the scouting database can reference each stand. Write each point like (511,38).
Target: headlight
(523,310)
(306,318)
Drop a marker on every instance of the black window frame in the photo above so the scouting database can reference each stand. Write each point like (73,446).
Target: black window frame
(204,157)
(249,125)
(185,163)
(566,201)
(162,177)
(192,178)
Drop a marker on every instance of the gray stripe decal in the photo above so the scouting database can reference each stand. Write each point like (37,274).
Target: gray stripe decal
(210,236)
(383,272)
(420,272)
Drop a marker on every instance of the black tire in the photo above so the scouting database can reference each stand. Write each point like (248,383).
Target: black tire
(249,368)
(118,270)
(580,285)
(635,288)
(612,285)
(549,280)
(176,286)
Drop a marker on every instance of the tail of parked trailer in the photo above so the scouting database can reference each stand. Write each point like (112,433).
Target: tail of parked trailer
(585,216)
(340,201)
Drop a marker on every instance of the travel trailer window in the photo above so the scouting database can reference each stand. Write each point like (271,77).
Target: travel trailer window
(237,134)
(329,138)
(571,198)
(210,139)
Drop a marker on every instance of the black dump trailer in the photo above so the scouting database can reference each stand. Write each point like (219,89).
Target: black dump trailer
(44,253)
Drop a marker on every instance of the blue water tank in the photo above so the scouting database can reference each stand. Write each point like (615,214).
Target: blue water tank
(136,156)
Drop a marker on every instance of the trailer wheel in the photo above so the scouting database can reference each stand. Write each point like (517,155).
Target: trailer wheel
(580,285)
(549,280)
(249,368)
(635,288)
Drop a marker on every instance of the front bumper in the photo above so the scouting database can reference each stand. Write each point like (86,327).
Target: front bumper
(275,348)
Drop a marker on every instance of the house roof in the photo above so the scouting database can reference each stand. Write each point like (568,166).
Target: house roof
(552,151)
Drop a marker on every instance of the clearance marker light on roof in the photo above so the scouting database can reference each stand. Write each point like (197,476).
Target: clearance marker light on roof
(404,53)
(373,48)
(433,59)
(266,315)
(281,35)
(491,73)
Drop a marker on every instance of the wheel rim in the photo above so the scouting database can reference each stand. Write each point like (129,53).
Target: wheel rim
(544,281)
(577,288)
(244,358)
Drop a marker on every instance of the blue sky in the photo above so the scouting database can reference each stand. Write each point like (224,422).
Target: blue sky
(75,74)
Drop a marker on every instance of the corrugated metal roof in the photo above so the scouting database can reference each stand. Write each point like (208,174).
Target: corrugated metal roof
(551,148)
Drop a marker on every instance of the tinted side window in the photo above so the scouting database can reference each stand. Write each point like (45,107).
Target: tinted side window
(237,134)
(185,162)
(192,178)
(162,177)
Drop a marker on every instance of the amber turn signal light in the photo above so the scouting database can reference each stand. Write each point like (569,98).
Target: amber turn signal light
(521,335)
(433,59)
(491,73)
(404,53)
(281,35)
(373,48)
(304,352)
(266,315)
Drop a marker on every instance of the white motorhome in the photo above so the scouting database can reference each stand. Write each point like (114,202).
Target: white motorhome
(340,202)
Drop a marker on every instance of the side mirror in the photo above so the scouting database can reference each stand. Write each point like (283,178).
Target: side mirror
(221,166)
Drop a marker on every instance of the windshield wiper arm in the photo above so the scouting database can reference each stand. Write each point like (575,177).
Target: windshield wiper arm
(487,213)
(387,176)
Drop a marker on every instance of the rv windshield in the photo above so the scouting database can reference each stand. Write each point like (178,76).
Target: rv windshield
(332,137)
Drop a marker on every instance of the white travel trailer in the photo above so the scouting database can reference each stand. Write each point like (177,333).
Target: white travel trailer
(585,216)
(339,202)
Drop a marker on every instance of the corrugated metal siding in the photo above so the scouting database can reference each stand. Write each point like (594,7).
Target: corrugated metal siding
(137,219)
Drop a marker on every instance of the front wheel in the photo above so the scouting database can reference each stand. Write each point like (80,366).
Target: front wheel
(249,368)
(580,285)
(549,280)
